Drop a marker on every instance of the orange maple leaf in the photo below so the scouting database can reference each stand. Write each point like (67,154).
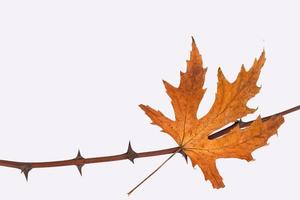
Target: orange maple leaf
(191,133)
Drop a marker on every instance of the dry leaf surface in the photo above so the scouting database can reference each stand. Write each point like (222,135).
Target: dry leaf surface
(230,105)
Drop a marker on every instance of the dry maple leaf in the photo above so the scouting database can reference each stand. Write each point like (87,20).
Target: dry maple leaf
(191,133)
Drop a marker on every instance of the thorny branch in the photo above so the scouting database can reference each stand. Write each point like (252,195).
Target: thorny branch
(130,154)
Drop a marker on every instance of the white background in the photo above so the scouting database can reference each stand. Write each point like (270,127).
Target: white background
(72,74)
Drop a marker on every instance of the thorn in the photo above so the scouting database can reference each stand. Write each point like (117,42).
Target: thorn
(131,154)
(78,155)
(240,122)
(184,155)
(79,166)
(25,170)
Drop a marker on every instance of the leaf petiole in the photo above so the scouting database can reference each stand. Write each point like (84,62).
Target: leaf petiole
(152,173)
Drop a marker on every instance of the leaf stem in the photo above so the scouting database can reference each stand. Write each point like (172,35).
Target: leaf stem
(160,166)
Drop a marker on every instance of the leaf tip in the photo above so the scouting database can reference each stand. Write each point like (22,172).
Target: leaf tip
(142,106)
(193,39)
(221,75)
(263,53)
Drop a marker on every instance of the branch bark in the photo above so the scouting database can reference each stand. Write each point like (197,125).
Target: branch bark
(130,154)
(244,124)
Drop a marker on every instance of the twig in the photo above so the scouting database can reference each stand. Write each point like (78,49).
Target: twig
(244,124)
(80,161)
(130,154)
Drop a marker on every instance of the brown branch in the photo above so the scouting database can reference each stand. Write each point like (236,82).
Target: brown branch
(130,154)
(244,124)
(79,161)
